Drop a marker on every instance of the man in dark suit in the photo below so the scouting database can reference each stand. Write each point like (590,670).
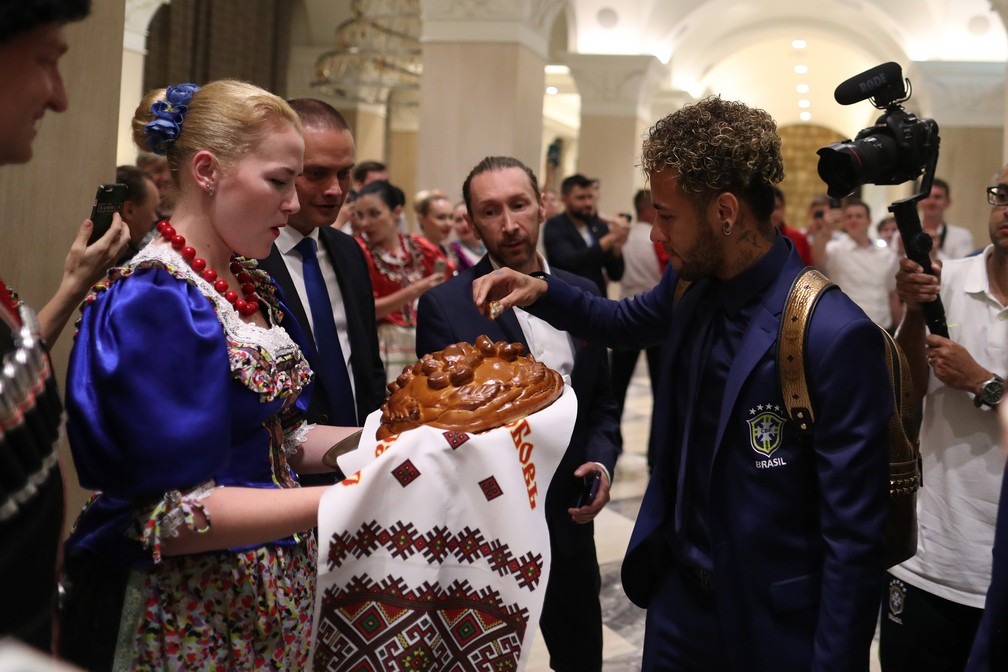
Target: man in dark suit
(990,647)
(505,211)
(321,189)
(579,241)
(755,549)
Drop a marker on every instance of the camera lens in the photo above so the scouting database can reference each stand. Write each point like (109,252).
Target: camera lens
(844,166)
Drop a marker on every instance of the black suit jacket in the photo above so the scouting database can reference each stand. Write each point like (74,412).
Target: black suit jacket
(446,314)
(358,301)
(566,249)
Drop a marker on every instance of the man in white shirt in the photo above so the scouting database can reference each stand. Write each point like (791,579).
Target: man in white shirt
(935,599)
(865,271)
(949,241)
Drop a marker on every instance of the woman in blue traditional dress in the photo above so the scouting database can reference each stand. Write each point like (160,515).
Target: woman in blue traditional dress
(184,413)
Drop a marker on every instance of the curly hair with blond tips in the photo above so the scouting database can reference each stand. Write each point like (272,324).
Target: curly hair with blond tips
(718,145)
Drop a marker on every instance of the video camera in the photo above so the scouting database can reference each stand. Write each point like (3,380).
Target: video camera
(898,148)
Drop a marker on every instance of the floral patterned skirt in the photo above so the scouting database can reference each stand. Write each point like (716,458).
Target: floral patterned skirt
(248,610)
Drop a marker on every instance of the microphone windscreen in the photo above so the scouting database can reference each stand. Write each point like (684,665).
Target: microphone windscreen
(868,83)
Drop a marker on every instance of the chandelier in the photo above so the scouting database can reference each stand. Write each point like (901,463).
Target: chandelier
(377,53)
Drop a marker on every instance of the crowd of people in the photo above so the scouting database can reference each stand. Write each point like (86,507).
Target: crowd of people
(280,286)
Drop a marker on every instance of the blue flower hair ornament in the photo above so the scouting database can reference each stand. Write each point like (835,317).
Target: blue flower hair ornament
(169,113)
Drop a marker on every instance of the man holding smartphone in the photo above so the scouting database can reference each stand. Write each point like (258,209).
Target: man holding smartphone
(31,487)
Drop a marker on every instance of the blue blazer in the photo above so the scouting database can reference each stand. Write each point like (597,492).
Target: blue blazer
(798,545)
(990,648)
(354,280)
(446,314)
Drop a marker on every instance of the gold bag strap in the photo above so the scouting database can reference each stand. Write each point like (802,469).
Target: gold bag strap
(805,292)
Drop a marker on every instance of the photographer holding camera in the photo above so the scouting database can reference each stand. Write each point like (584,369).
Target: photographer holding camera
(934,600)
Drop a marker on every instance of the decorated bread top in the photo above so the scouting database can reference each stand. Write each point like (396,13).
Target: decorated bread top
(469,388)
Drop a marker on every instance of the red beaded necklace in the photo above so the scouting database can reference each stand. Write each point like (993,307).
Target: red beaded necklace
(246,306)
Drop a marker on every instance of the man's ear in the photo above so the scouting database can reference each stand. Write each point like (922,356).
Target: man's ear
(728,208)
(127,211)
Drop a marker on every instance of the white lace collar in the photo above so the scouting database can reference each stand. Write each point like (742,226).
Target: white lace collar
(274,339)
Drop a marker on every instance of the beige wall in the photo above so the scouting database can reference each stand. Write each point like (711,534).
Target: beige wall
(967,159)
(45,201)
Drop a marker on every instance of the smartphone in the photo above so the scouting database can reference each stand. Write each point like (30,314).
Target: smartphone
(589,489)
(440,266)
(109,199)
(818,214)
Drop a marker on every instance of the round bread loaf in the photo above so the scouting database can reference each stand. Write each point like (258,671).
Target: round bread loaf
(469,388)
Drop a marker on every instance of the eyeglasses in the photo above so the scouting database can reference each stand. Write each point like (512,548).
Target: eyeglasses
(997,196)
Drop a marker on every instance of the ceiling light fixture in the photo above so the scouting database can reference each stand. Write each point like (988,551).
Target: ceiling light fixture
(377,51)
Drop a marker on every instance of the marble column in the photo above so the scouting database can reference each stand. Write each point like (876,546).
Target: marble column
(482,87)
(616,92)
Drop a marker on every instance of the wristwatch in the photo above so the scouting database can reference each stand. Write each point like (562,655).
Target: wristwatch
(540,275)
(991,392)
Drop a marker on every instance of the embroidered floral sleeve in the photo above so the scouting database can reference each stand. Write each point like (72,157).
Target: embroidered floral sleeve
(176,509)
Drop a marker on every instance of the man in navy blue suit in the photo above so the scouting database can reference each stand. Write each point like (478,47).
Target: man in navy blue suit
(990,647)
(505,210)
(322,187)
(754,550)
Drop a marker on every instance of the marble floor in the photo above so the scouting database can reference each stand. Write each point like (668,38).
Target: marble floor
(623,623)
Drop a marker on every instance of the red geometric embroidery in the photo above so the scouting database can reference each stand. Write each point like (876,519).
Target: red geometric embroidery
(467,546)
(455,439)
(499,557)
(403,540)
(491,489)
(529,571)
(406,473)
(379,625)
(436,545)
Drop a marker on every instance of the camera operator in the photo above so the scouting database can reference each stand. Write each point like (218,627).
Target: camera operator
(934,600)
